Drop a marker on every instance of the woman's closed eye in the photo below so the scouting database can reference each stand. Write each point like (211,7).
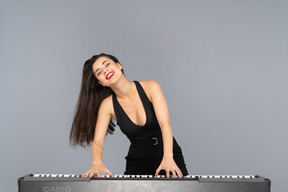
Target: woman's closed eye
(101,71)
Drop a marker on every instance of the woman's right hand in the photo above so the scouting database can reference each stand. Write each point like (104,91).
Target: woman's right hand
(97,169)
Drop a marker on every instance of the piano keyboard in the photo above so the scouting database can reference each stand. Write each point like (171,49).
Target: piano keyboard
(68,176)
(141,183)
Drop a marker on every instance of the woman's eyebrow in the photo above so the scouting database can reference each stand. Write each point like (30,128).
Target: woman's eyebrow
(101,64)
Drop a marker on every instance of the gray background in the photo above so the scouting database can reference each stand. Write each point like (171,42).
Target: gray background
(222,66)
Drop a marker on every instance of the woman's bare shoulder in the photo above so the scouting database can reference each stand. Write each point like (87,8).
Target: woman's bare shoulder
(150,87)
(107,104)
(149,84)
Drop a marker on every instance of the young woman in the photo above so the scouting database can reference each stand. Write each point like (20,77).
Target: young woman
(141,112)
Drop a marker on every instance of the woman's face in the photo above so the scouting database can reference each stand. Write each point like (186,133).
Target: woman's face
(106,71)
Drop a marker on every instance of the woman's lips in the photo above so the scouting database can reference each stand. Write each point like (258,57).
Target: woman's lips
(109,75)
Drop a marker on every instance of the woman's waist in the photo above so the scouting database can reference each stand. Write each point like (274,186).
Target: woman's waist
(146,141)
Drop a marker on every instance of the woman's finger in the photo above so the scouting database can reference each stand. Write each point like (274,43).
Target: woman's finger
(109,173)
(157,171)
(179,173)
(174,173)
(86,174)
(167,173)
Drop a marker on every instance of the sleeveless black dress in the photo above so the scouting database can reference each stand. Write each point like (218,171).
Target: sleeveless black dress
(146,149)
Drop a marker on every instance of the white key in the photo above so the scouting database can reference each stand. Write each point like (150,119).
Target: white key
(192,176)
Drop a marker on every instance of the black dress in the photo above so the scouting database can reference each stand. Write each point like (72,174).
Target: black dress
(146,149)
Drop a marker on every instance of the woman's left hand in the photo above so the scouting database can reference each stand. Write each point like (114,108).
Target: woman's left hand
(169,165)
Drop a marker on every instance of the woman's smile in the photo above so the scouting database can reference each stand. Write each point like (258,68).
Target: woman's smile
(109,75)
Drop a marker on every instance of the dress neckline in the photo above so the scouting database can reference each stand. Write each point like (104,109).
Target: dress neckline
(142,105)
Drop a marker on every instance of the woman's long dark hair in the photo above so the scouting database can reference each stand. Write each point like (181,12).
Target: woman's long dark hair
(90,97)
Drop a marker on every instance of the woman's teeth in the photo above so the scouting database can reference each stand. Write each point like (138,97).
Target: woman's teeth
(109,75)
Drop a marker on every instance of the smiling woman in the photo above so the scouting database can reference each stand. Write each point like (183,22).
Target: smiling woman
(141,112)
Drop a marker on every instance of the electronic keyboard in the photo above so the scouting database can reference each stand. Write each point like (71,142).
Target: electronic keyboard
(141,183)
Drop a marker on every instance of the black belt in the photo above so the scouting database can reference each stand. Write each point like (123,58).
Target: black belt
(146,141)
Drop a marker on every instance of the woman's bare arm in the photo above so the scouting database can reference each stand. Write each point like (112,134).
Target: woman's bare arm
(161,110)
(102,123)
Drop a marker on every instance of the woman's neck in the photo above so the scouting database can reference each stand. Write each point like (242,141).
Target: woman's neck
(124,89)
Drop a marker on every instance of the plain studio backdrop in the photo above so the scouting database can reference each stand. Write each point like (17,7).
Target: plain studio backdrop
(222,66)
